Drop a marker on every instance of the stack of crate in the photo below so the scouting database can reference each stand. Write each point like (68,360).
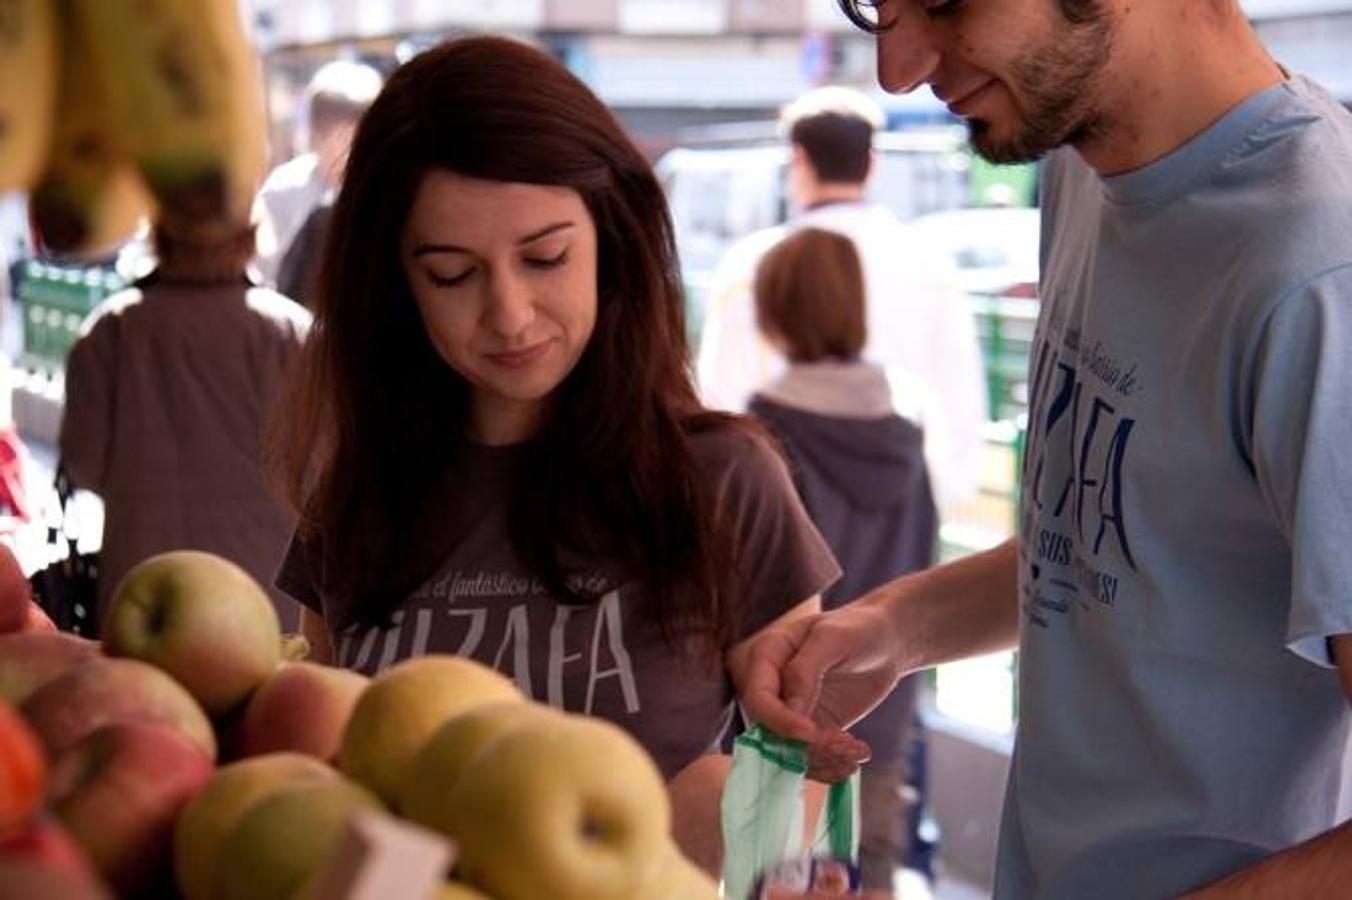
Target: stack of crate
(56,298)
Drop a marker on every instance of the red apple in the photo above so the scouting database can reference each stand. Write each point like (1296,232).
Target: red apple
(101,691)
(118,792)
(302,707)
(202,619)
(23,771)
(14,592)
(21,879)
(45,842)
(29,659)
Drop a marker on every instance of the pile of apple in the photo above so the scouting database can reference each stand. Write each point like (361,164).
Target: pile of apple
(110,784)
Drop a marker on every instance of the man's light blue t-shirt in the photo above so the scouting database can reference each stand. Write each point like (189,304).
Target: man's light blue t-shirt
(1186,528)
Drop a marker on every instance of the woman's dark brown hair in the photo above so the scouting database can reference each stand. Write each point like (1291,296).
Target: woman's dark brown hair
(378,413)
(810,294)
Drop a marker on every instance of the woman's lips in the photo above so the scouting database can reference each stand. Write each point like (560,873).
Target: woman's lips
(516,359)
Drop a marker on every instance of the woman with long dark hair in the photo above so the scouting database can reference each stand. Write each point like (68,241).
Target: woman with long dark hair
(496,446)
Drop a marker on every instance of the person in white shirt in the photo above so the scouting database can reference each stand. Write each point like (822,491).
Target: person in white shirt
(335,99)
(920,327)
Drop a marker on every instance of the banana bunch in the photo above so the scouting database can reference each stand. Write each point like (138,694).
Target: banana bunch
(88,199)
(184,86)
(114,109)
(28,54)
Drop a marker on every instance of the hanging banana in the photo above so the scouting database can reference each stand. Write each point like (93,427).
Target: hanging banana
(89,199)
(28,51)
(183,84)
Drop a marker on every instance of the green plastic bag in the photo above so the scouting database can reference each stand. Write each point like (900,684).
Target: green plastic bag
(763,812)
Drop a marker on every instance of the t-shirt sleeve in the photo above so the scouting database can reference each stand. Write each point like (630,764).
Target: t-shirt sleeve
(297,576)
(782,558)
(1301,435)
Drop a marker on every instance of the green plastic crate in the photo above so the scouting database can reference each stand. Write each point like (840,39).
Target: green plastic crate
(56,299)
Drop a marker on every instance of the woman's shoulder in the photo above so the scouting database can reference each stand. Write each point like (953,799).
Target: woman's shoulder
(730,448)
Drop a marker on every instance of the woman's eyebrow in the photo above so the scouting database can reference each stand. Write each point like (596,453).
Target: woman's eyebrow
(426,248)
(545,232)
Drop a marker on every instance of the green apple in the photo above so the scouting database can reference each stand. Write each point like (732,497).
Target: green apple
(677,878)
(202,619)
(567,807)
(118,792)
(214,812)
(302,707)
(286,838)
(100,691)
(403,707)
(30,659)
(445,756)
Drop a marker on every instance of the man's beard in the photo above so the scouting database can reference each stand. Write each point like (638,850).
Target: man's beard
(1058,86)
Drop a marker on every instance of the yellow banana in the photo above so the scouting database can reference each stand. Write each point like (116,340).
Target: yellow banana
(89,198)
(183,84)
(28,49)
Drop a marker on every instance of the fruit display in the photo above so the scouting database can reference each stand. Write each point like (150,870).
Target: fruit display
(186,755)
(115,110)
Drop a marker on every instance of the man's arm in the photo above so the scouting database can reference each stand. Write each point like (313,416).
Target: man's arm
(827,671)
(1321,867)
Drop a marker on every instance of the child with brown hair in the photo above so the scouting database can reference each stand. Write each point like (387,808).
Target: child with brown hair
(860,470)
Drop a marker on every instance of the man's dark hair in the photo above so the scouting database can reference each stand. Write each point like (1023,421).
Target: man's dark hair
(834,126)
(865,15)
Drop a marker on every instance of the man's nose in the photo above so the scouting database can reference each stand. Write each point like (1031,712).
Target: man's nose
(908,52)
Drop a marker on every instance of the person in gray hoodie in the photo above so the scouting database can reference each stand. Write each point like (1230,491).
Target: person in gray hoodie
(860,470)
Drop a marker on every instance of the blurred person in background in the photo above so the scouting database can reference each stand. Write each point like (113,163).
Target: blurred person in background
(860,469)
(920,327)
(334,101)
(169,392)
(497,449)
(298,274)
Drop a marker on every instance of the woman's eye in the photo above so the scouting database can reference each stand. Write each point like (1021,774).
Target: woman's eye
(547,262)
(449,280)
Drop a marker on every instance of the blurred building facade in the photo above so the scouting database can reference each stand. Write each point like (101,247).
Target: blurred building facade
(667,65)
(663,65)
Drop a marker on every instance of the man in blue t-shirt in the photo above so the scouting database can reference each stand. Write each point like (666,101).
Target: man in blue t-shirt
(1180,586)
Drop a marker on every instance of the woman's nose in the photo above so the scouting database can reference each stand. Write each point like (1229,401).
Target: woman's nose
(511,304)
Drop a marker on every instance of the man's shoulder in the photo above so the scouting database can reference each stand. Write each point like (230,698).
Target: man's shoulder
(113,309)
(279,310)
(1295,170)
(293,175)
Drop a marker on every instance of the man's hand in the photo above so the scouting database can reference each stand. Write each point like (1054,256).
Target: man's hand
(809,677)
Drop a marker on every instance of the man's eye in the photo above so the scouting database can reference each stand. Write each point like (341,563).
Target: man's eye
(943,8)
(547,262)
(449,280)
